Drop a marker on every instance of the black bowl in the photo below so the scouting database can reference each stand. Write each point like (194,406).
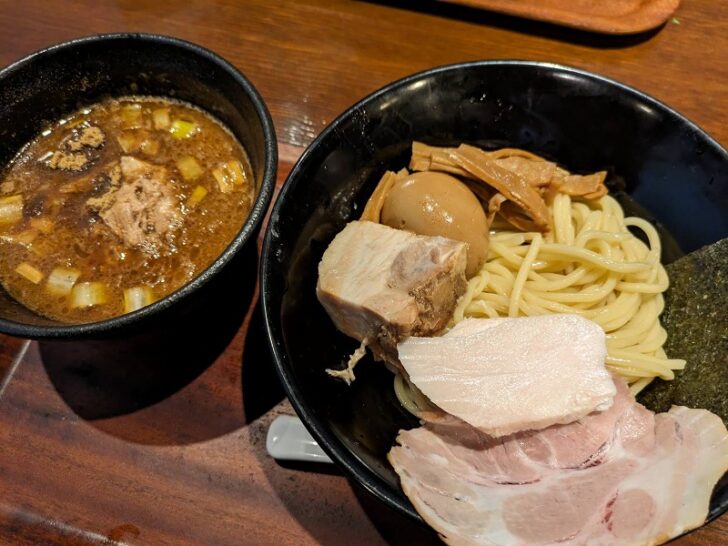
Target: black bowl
(668,169)
(51,83)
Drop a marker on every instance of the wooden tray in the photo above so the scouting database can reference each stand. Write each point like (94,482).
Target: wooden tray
(606,16)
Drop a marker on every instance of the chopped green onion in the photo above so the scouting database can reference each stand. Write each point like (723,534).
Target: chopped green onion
(198,194)
(189,168)
(11,209)
(29,272)
(137,297)
(87,294)
(61,281)
(182,129)
(160,117)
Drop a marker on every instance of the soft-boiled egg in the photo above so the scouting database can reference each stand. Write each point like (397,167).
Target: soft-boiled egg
(432,203)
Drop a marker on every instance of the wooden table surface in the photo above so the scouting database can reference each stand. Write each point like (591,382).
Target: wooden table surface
(147,442)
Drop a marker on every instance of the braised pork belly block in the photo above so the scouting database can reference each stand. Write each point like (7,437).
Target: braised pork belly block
(623,476)
(505,375)
(381,285)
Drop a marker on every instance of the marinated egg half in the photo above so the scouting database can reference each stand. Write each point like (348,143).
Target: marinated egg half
(432,203)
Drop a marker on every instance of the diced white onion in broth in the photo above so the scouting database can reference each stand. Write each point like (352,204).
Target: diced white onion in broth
(149,146)
(127,141)
(228,175)
(29,272)
(61,280)
(235,170)
(137,297)
(11,209)
(26,237)
(88,294)
(131,115)
(160,117)
(223,180)
(189,168)
(44,225)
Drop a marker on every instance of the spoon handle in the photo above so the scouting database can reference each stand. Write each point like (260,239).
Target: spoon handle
(288,440)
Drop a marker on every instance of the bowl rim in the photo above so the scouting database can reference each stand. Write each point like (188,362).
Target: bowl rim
(248,229)
(353,466)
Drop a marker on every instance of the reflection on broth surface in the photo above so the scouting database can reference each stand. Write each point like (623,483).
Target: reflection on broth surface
(118,205)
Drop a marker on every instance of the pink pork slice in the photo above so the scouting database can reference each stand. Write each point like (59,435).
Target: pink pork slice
(506,375)
(624,476)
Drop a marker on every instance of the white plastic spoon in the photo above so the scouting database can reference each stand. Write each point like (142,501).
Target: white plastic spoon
(288,440)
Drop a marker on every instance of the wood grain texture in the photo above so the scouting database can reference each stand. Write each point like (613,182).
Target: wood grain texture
(311,60)
(152,442)
(613,17)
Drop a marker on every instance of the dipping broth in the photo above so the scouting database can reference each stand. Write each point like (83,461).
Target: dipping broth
(118,205)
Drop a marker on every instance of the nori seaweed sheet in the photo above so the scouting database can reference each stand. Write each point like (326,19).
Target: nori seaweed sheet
(696,320)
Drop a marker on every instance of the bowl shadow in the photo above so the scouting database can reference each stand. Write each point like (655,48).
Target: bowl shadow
(261,388)
(136,386)
(396,528)
(393,527)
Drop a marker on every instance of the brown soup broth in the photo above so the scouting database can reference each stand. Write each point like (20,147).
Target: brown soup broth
(110,193)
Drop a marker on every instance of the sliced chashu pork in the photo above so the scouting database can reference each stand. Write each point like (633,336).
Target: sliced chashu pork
(624,476)
(141,207)
(504,375)
(381,284)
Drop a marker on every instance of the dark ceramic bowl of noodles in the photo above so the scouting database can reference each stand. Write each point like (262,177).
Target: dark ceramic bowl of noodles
(50,84)
(663,167)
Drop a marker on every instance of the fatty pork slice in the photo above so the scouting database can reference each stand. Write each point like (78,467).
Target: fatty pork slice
(647,479)
(381,284)
(506,375)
